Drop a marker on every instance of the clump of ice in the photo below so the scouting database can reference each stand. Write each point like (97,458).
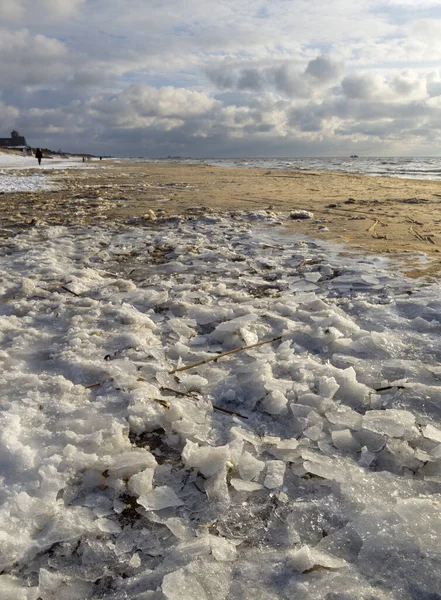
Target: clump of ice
(304,467)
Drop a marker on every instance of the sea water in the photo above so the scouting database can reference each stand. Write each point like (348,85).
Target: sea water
(420,167)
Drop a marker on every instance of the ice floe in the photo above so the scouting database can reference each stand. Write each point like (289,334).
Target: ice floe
(308,467)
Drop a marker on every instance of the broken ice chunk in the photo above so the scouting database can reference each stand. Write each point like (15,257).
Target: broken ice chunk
(307,558)
(351,391)
(245,486)
(275,473)
(216,488)
(233,326)
(12,588)
(129,463)
(344,417)
(373,441)
(179,585)
(327,387)
(222,549)
(141,483)
(207,459)
(432,433)
(274,403)
(391,422)
(249,467)
(323,466)
(366,458)
(179,528)
(314,432)
(344,440)
(159,498)
(135,561)
(286,450)
(212,582)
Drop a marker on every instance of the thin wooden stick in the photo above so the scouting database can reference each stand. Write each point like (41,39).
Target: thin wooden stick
(229,412)
(178,393)
(94,385)
(215,407)
(213,358)
(63,287)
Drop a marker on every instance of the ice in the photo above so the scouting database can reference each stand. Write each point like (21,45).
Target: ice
(129,463)
(344,440)
(275,473)
(12,588)
(159,498)
(116,472)
(307,558)
(191,582)
(222,549)
(390,422)
(285,450)
(180,585)
(432,433)
(206,459)
(249,466)
(233,326)
(141,483)
(245,486)
(343,417)
(274,403)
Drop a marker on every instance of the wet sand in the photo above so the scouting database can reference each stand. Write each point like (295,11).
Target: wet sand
(375,214)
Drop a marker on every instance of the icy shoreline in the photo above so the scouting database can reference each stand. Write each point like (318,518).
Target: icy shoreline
(120,481)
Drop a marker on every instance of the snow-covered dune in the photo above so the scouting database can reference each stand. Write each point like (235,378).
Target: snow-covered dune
(308,467)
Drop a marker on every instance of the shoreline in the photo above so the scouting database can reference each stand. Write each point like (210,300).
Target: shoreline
(370,213)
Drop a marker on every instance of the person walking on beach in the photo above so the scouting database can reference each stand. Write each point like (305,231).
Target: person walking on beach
(38,155)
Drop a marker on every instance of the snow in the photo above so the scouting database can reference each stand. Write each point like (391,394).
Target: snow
(123,479)
(18,162)
(31,183)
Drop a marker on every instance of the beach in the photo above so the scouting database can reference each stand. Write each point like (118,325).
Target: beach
(209,393)
(376,214)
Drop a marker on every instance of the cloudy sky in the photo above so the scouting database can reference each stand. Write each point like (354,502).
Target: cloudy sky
(223,77)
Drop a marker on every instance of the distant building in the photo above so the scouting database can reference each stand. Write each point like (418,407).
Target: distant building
(15,141)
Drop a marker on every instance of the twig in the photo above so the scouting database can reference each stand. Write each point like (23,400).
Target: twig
(56,285)
(229,412)
(63,287)
(163,403)
(94,385)
(177,392)
(390,387)
(373,226)
(213,358)
(49,289)
(215,407)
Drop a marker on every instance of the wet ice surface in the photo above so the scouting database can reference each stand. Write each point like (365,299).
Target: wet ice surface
(120,480)
(25,183)
(18,162)
(10,182)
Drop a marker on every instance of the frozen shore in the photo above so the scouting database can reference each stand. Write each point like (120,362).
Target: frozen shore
(120,479)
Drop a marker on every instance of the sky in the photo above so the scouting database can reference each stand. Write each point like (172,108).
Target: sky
(224,78)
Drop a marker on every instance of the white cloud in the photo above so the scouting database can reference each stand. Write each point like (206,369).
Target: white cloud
(31,60)
(221,76)
(27,11)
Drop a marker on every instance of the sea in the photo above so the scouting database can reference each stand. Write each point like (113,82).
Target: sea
(406,167)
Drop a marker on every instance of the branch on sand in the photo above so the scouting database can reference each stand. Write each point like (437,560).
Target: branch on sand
(218,356)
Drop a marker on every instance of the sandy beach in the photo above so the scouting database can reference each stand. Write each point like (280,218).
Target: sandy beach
(377,214)
(191,398)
